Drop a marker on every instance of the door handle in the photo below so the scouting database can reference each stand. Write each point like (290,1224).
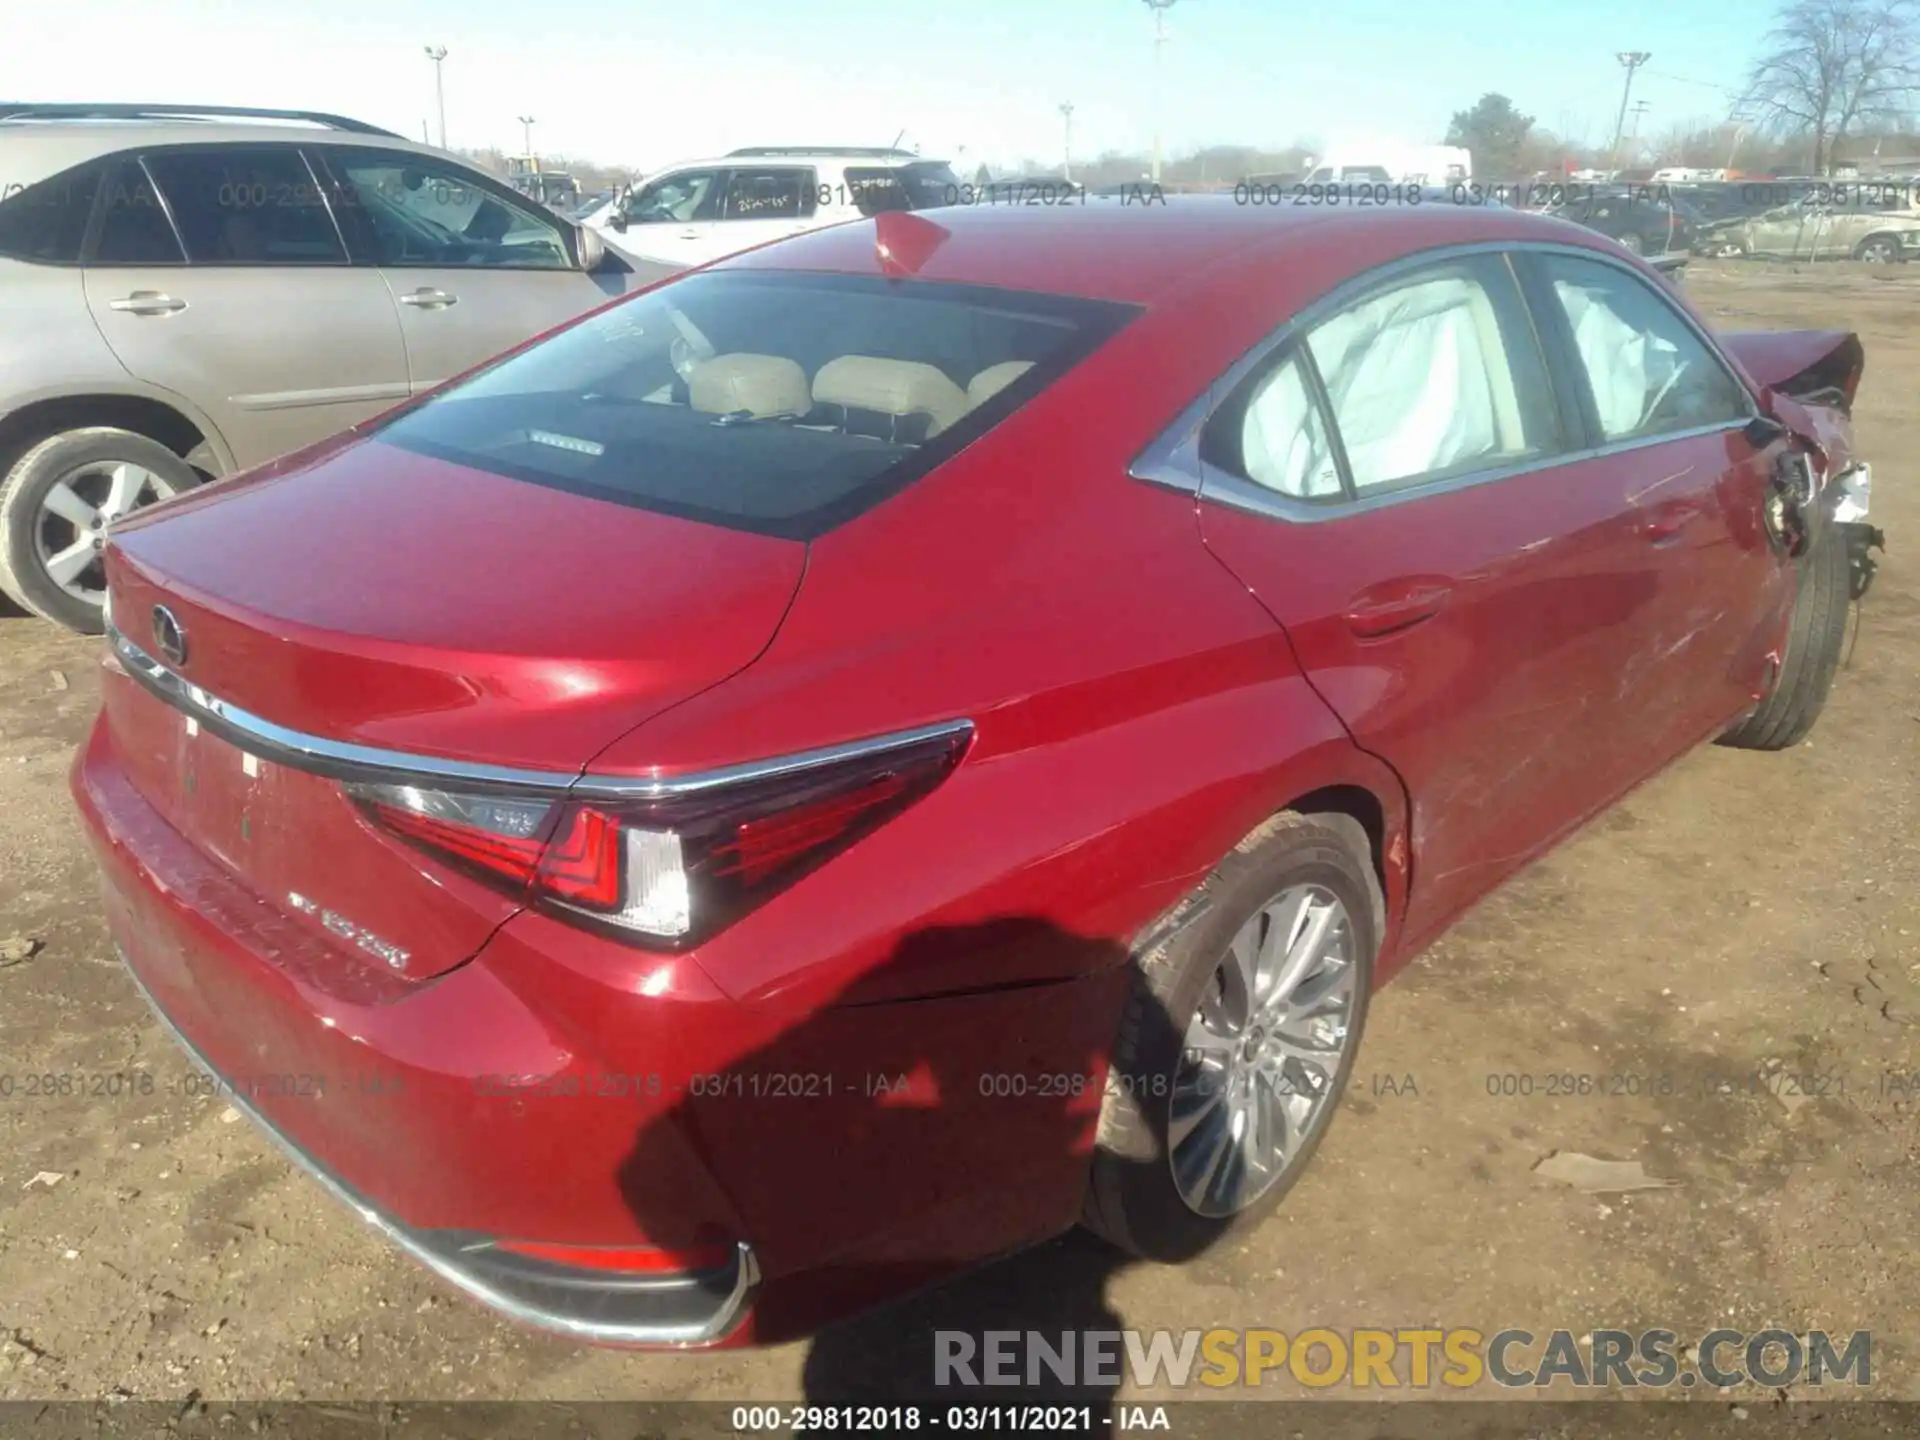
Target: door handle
(146,302)
(1396,605)
(427,298)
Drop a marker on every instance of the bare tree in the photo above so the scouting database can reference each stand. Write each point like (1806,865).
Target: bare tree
(1830,65)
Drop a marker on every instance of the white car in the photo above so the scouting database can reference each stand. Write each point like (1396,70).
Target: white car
(700,210)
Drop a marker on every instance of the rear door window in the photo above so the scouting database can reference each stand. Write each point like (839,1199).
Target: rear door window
(777,403)
(247,205)
(134,226)
(1428,377)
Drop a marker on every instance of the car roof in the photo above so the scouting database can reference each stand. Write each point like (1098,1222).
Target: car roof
(36,148)
(1142,253)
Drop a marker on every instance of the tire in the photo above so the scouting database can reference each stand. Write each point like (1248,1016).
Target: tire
(1816,636)
(1878,250)
(1632,243)
(1133,1199)
(31,535)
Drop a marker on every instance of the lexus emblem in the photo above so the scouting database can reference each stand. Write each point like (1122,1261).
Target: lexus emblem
(169,635)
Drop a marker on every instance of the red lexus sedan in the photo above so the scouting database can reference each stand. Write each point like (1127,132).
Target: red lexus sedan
(865,755)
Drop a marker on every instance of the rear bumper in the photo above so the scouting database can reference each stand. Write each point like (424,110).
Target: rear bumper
(408,1104)
(693,1308)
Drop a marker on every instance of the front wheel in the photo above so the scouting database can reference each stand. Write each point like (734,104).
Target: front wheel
(1878,250)
(1238,1039)
(56,502)
(1816,635)
(1632,243)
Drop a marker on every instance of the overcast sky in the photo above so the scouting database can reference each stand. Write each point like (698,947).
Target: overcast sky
(644,82)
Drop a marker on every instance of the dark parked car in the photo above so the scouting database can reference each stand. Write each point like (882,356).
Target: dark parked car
(922,734)
(1638,216)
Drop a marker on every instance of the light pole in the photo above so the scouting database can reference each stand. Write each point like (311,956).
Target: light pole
(438,53)
(526,134)
(1739,134)
(1633,60)
(1066,141)
(1159,8)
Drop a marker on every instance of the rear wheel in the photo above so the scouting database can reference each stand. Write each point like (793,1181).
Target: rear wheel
(1632,242)
(1878,250)
(1238,1039)
(56,502)
(1815,638)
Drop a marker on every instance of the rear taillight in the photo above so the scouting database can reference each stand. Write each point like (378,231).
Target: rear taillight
(668,869)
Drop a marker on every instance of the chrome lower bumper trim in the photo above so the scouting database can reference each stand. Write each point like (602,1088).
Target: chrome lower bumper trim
(723,1319)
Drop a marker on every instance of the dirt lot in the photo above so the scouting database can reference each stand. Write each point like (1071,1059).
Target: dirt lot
(1742,909)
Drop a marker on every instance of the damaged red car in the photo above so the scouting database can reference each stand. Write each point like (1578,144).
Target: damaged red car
(866,755)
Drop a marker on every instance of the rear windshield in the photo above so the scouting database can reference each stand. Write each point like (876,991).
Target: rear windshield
(782,404)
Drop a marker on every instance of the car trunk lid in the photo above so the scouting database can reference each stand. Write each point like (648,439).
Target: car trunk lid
(382,604)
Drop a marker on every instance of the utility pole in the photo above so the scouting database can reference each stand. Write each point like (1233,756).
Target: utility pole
(526,133)
(1159,8)
(1066,141)
(438,54)
(1640,107)
(1633,60)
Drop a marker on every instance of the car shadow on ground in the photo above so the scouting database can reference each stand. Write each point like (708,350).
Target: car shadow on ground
(913,1188)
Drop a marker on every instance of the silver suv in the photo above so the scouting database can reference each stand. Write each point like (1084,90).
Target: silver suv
(190,291)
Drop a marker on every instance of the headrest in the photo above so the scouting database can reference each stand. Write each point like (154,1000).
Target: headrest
(995,378)
(761,385)
(891,387)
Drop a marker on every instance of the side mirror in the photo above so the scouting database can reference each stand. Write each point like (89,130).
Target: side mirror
(617,218)
(590,249)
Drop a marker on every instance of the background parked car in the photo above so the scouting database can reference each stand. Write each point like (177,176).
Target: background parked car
(700,210)
(194,291)
(1638,216)
(1836,225)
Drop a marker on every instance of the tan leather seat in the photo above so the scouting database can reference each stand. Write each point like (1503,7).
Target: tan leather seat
(891,387)
(761,385)
(995,378)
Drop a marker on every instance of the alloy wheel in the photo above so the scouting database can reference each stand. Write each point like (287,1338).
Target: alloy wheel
(70,531)
(1262,1052)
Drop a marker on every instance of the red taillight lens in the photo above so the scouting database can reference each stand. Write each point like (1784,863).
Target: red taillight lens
(669,870)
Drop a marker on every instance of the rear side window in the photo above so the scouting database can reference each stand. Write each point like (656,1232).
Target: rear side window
(921,185)
(48,220)
(777,403)
(134,228)
(1647,371)
(247,206)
